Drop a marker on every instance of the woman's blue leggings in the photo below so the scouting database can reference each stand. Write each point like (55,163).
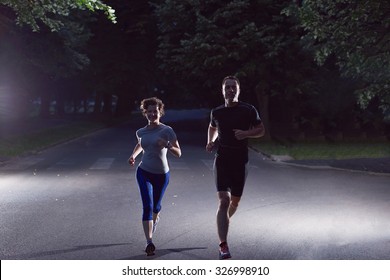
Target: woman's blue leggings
(152,187)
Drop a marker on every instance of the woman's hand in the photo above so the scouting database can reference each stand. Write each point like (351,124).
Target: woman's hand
(131,161)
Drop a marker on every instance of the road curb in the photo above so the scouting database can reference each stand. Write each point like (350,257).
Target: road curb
(284,159)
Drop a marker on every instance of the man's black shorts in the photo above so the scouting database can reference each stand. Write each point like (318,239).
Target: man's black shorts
(230,174)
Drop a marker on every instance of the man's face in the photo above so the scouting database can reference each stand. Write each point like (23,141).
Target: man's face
(231,90)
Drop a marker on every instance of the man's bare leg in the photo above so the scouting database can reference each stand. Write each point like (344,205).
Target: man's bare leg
(223,223)
(222,215)
(233,205)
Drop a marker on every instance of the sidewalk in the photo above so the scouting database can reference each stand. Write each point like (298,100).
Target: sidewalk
(371,165)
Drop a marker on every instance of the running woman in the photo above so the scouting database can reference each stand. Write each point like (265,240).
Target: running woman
(152,174)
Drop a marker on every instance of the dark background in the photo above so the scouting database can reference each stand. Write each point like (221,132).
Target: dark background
(315,70)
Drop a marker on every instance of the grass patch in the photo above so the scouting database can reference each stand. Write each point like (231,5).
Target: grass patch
(15,146)
(324,150)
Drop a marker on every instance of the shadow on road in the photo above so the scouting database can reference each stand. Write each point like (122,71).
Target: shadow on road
(57,252)
(163,252)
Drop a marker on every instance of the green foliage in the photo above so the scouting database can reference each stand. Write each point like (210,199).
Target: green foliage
(206,40)
(357,34)
(58,54)
(202,38)
(51,12)
(95,5)
(28,55)
(123,55)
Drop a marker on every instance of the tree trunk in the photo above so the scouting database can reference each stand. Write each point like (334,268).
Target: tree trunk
(98,103)
(107,104)
(263,101)
(124,105)
(60,104)
(45,94)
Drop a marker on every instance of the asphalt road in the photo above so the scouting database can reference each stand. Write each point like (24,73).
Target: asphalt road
(80,200)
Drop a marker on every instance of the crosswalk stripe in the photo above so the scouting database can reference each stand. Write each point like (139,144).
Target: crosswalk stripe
(102,163)
(62,164)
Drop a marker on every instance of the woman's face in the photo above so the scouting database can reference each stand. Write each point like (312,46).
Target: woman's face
(153,114)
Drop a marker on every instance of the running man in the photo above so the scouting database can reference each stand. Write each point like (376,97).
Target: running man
(231,124)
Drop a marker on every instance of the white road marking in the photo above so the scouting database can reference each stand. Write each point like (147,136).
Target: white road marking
(62,164)
(102,163)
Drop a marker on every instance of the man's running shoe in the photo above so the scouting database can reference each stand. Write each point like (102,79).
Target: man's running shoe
(155,224)
(224,251)
(150,248)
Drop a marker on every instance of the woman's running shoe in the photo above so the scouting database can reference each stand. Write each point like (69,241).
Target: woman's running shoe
(150,248)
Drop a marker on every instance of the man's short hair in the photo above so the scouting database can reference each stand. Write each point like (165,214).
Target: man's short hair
(231,78)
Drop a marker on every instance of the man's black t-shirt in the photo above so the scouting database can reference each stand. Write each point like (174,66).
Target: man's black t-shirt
(243,116)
